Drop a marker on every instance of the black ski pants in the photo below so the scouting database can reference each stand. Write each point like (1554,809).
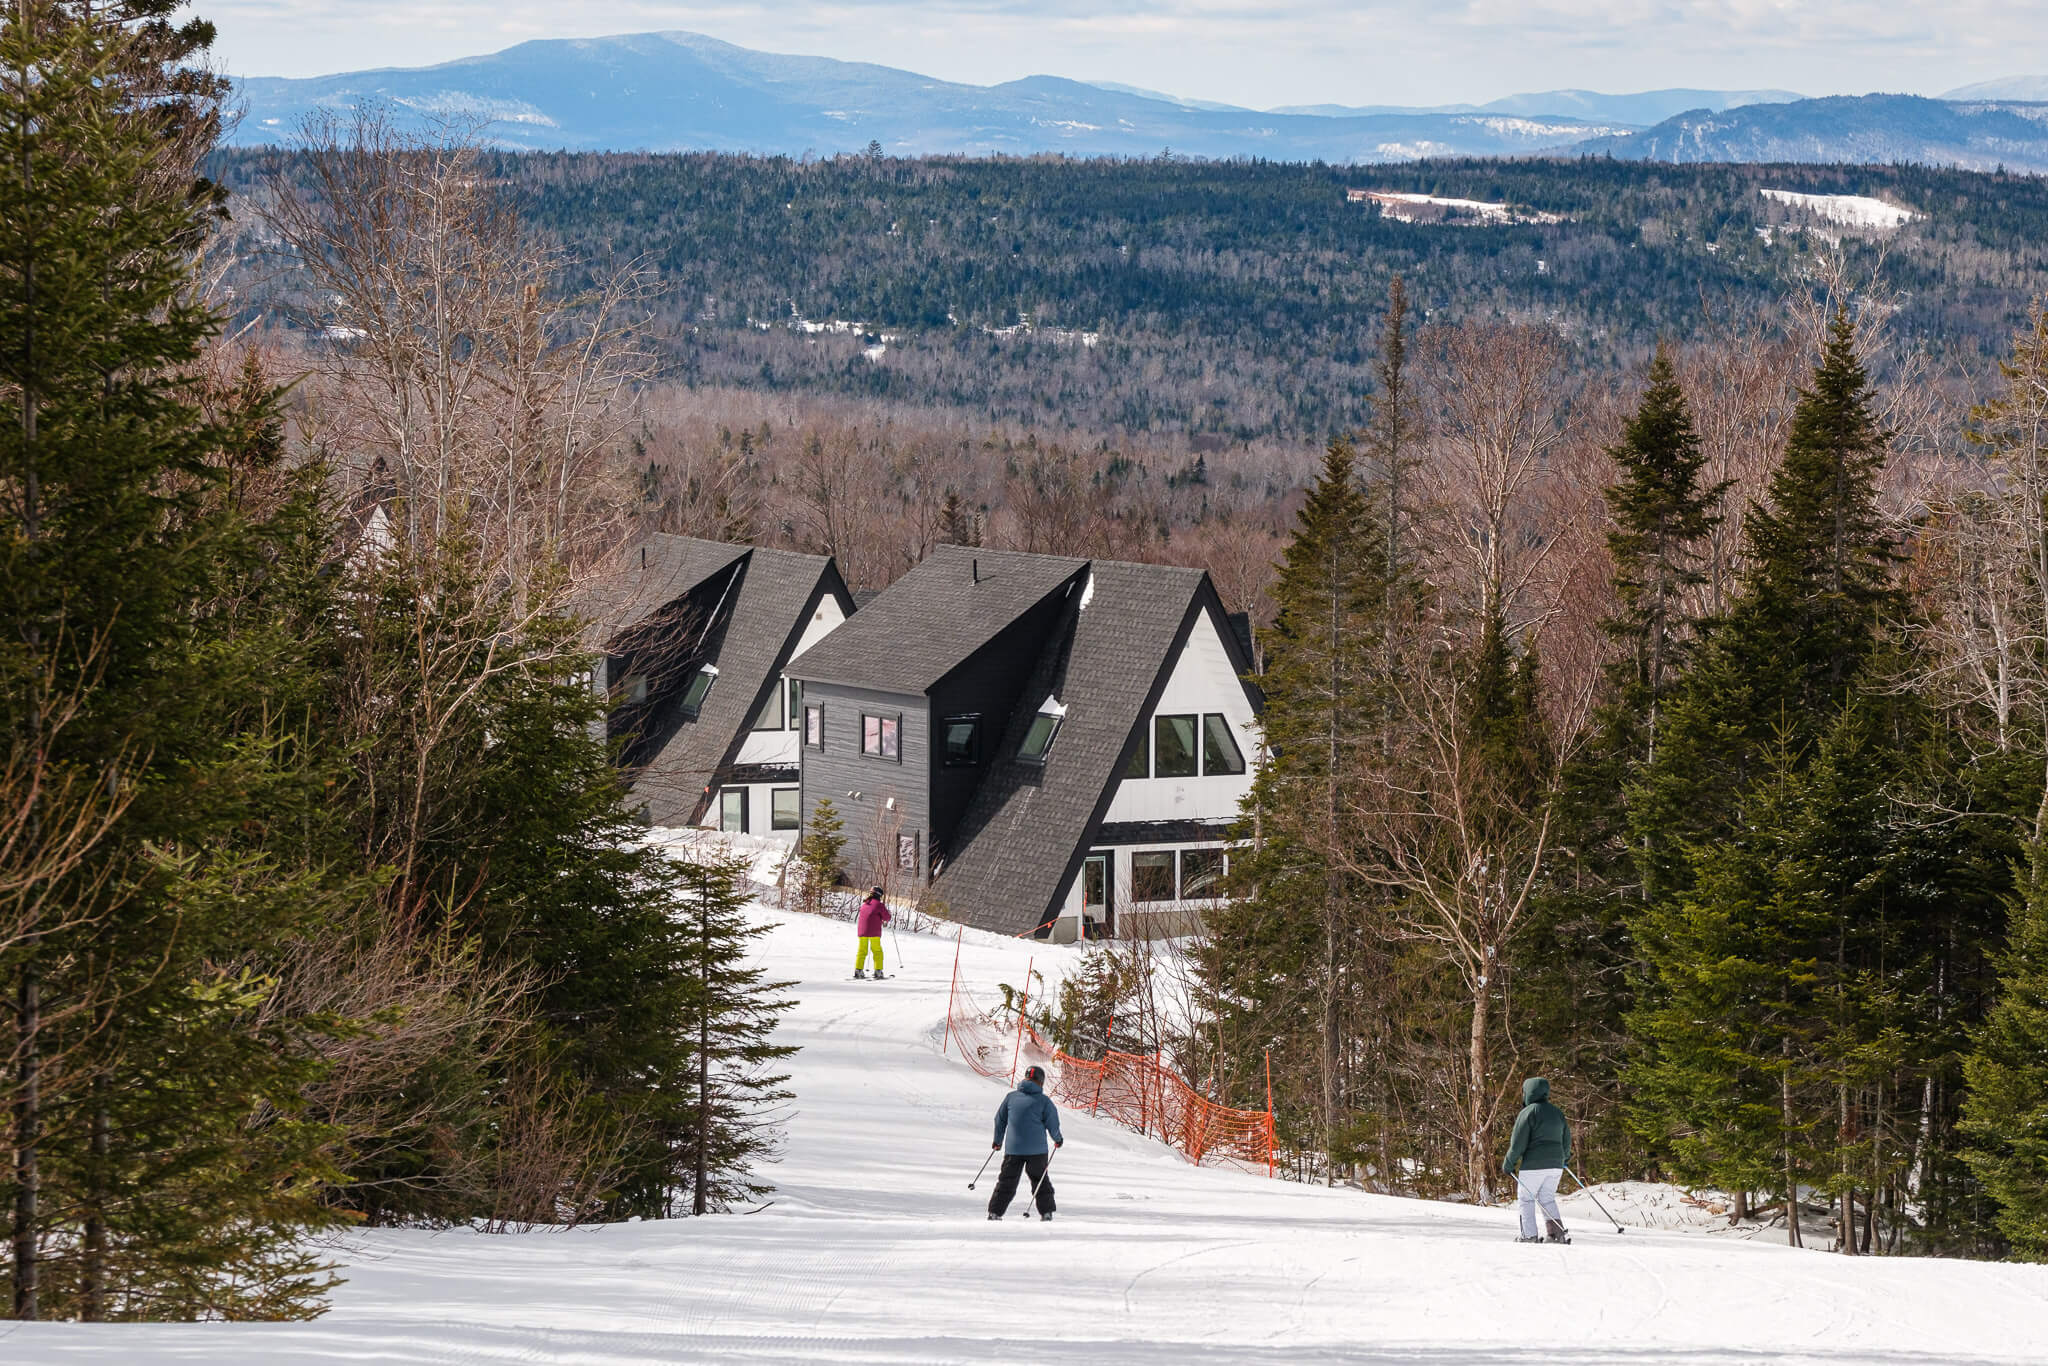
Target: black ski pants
(1031,1165)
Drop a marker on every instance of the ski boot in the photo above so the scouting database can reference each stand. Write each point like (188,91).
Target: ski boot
(1557,1232)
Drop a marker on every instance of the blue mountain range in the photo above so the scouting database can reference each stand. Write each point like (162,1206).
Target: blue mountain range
(686,92)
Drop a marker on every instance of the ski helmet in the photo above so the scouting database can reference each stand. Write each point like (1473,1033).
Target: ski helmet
(1035,1073)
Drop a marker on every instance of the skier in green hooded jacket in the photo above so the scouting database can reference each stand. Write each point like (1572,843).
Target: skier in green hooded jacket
(1537,1155)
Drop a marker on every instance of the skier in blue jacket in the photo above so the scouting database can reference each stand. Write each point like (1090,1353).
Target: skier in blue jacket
(1024,1121)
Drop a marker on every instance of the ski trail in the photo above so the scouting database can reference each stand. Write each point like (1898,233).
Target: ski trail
(875,1251)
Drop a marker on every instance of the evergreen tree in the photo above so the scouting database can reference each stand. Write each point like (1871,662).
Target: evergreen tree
(821,857)
(1661,514)
(2005,1118)
(160,1166)
(730,1020)
(1811,612)
(1574,973)
(1787,945)
(1298,920)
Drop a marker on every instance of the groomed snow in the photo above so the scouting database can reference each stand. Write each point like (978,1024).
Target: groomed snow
(875,1251)
(1850,210)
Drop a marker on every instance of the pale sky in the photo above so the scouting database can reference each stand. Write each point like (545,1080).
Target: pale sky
(1253,52)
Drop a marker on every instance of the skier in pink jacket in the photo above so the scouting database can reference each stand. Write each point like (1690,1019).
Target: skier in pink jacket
(873,915)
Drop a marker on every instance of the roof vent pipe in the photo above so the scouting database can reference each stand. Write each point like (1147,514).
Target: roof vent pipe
(977,569)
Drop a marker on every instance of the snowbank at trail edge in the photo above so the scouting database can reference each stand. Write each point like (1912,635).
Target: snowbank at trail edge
(874,1250)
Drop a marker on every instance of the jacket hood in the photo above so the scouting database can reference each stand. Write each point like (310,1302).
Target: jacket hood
(1030,1088)
(1534,1090)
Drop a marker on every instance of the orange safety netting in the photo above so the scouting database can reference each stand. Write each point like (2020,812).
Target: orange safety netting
(1134,1089)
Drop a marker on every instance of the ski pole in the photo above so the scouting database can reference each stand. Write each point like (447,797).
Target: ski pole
(1045,1171)
(984,1167)
(1595,1199)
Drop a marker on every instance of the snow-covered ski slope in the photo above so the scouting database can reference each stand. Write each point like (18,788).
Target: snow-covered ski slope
(875,1251)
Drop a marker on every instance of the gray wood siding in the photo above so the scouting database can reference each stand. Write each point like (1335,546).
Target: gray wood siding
(840,768)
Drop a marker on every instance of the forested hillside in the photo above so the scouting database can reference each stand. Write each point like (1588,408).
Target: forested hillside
(1222,299)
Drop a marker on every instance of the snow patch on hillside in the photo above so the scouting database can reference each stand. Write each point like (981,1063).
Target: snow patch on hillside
(1430,208)
(1850,210)
(1538,130)
(463,104)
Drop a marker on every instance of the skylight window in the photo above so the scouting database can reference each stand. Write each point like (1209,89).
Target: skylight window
(1038,740)
(692,700)
(1044,727)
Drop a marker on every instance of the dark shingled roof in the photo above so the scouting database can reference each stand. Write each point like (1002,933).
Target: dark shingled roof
(648,577)
(933,618)
(773,602)
(1028,825)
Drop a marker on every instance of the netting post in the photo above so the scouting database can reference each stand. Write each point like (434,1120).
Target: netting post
(952,988)
(1269,1114)
(1102,1069)
(1023,1002)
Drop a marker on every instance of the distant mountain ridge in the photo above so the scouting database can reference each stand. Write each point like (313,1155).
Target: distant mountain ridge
(1642,108)
(683,91)
(1974,135)
(686,92)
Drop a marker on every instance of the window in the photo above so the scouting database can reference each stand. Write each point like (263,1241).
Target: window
(693,693)
(634,689)
(796,704)
(1038,740)
(1152,876)
(906,852)
(880,736)
(770,716)
(1140,765)
(1220,754)
(814,726)
(1173,747)
(1201,874)
(732,810)
(785,808)
(961,739)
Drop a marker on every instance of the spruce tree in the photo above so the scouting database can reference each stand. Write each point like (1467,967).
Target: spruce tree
(1811,612)
(1661,514)
(2005,1118)
(729,1023)
(1778,927)
(1574,970)
(160,1167)
(1297,923)
(820,857)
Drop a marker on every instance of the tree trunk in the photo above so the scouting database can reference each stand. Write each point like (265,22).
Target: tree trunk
(698,1202)
(1475,1112)
(93,1271)
(28,1121)
(1792,1237)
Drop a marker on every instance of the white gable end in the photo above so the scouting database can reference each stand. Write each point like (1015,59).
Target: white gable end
(1203,682)
(780,746)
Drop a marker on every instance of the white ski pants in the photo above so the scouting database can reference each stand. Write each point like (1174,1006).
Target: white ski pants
(1538,1187)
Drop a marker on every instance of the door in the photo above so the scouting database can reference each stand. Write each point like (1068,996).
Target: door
(1098,899)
